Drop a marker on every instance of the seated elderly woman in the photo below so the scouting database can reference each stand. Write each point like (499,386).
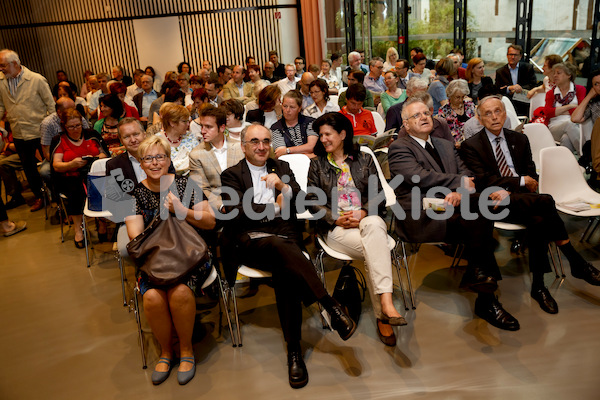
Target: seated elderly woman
(176,121)
(293,133)
(437,89)
(589,108)
(458,110)
(561,103)
(72,156)
(418,70)
(347,226)
(319,91)
(548,83)
(173,306)
(269,107)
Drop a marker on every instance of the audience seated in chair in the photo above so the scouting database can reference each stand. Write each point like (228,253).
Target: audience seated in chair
(175,121)
(361,119)
(293,133)
(174,306)
(272,242)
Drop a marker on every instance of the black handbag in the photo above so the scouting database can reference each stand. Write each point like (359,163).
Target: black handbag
(168,251)
(348,290)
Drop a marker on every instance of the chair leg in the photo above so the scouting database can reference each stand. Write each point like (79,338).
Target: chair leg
(408,278)
(321,271)
(225,293)
(593,230)
(85,240)
(589,225)
(120,261)
(138,320)
(397,264)
(237,317)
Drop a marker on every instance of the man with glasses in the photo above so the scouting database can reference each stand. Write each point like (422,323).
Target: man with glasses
(515,77)
(263,235)
(299,63)
(424,163)
(374,81)
(144,99)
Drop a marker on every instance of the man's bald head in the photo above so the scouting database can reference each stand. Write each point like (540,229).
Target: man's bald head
(64,103)
(306,79)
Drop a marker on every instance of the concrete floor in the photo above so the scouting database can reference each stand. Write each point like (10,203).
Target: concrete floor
(66,335)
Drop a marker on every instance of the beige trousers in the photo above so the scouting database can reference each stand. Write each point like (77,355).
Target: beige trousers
(369,242)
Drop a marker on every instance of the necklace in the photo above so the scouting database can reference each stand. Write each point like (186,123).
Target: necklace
(74,140)
(173,141)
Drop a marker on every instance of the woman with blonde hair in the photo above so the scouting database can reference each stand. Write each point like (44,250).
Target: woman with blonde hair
(176,121)
(390,59)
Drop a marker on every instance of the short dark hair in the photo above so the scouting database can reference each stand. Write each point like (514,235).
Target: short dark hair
(267,98)
(112,101)
(300,58)
(180,66)
(222,68)
(139,72)
(418,58)
(234,107)
(515,47)
(356,92)
(199,93)
(358,75)
(218,113)
(59,71)
(249,58)
(334,57)
(213,81)
(321,84)
(118,87)
(255,67)
(196,79)
(166,86)
(418,50)
(173,95)
(339,123)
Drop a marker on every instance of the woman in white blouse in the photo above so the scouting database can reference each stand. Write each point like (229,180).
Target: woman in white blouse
(318,90)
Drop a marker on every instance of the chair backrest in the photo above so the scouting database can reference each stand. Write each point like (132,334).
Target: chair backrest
(560,175)
(390,196)
(539,138)
(379,123)
(380,110)
(299,164)
(538,100)
(99,166)
(511,113)
(334,98)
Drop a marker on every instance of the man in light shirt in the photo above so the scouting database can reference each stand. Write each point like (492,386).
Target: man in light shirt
(236,88)
(136,88)
(306,79)
(289,82)
(144,99)
(374,81)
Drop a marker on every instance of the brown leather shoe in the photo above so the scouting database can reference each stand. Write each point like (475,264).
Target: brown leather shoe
(387,340)
(37,205)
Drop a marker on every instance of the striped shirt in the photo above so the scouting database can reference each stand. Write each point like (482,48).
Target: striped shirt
(14,82)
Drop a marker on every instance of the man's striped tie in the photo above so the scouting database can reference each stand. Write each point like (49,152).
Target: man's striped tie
(502,164)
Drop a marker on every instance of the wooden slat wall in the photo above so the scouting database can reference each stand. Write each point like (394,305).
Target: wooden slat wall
(96,35)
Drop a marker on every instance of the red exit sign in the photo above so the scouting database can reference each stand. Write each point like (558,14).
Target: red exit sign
(277,14)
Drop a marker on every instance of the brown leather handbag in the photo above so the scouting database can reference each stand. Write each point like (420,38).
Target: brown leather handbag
(168,251)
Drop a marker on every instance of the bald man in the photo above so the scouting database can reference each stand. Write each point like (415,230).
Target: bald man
(306,79)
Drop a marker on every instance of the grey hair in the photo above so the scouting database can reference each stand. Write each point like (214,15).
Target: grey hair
(488,98)
(10,56)
(152,79)
(245,130)
(353,55)
(415,84)
(567,68)
(374,60)
(457,85)
(409,101)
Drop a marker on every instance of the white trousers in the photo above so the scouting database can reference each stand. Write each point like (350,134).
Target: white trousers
(369,242)
(567,133)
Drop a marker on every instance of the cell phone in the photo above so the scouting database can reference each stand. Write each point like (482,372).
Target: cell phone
(87,158)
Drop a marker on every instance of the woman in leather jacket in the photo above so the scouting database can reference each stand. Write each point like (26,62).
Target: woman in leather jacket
(343,172)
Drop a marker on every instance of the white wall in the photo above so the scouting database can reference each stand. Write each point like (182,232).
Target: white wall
(158,43)
(288,31)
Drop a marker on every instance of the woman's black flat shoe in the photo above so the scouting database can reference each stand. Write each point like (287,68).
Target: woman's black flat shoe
(79,244)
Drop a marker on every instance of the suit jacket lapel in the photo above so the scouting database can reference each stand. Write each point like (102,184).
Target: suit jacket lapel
(422,150)
(246,176)
(513,149)
(488,151)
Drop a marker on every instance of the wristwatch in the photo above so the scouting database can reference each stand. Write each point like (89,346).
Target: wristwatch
(287,150)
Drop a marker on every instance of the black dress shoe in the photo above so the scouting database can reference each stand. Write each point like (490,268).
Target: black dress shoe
(79,244)
(387,340)
(341,322)
(547,302)
(478,281)
(492,312)
(15,202)
(588,273)
(297,370)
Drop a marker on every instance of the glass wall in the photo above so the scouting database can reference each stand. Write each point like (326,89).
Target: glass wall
(430,27)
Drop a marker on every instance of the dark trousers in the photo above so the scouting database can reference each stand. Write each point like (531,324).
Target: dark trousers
(3,215)
(538,213)
(26,150)
(294,278)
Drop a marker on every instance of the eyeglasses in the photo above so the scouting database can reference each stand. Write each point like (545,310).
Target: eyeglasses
(73,127)
(133,135)
(255,142)
(314,92)
(298,62)
(419,115)
(158,158)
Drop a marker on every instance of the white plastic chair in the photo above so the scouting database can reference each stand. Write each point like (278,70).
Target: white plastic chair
(380,110)
(98,168)
(561,177)
(299,164)
(379,123)
(390,196)
(511,113)
(539,100)
(540,138)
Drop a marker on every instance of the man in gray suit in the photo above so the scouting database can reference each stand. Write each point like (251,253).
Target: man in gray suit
(214,155)
(427,162)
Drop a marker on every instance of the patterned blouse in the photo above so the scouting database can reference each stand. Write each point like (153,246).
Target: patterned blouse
(179,154)
(348,194)
(455,121)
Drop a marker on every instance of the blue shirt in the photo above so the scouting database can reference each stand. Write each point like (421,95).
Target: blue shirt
(375,85)
(147,99)
(514,75)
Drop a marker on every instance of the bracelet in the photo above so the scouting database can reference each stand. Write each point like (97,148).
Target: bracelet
(287,150)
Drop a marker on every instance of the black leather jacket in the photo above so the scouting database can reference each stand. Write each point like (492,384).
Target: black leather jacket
(322,174)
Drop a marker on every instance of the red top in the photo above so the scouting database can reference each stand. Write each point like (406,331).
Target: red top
(70,151)
(550,109)
(363,122)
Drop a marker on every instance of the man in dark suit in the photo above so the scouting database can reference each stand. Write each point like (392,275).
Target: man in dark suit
(502,158)
(265,234)
(426,163)
(125,167)
(515,77)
